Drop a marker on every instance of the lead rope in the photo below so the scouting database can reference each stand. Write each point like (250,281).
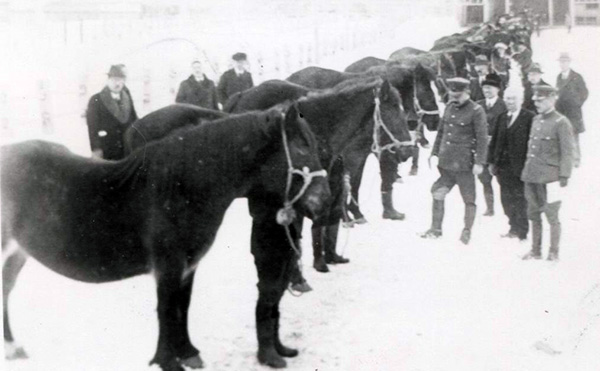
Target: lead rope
(379,124)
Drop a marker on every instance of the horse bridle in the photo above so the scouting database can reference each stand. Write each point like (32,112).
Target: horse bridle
(286,215)
(378,124)
(419,110)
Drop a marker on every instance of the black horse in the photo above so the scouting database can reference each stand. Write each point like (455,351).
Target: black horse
(158,123)
(264,96)
(157,211)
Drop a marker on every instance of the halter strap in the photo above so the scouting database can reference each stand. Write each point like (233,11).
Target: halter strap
(378,124)
(420,111)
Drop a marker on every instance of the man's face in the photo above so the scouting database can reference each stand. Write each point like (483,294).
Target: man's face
(115,84)
(564,64)
(489,92)
(239,65)
(482,70)
(458,96)
(513,101)
(197,70)
(534,77)
(545,104)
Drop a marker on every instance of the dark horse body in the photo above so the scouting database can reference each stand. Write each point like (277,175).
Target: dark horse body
(157,124)
(157,211)
(340,118)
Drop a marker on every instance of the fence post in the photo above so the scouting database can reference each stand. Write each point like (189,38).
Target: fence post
(147,92)
(44,97)
(83,92)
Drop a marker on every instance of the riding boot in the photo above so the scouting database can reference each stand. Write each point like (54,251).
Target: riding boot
(555,229)
(388,207)
(330,242)
(318,258)
(436,220)
(536,238)
(414,169)
(488,193)
(470,210)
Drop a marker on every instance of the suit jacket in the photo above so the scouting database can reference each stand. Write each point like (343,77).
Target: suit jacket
(528,94)
(493,114)
(508,148)
(105,130)
(550,149)
(461,139)
(202,94)
(476,92)
(230,83)
(572,93)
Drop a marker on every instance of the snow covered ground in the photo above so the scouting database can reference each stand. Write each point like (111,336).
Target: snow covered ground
(403,303)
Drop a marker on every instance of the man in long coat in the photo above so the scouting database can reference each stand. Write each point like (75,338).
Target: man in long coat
(494,107)
(236,79)
(572,94)
(534,78)
(461,145)
(506,159)
(109,114)
(549,161)
(198,89)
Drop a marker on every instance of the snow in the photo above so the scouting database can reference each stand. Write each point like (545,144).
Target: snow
(403,303)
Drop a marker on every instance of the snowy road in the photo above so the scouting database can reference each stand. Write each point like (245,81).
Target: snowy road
(403,303)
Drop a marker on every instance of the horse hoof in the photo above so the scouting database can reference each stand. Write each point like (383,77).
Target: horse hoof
(320,266)
(13,351)
(271,358)
(361,220)
(193,362)
(284,351)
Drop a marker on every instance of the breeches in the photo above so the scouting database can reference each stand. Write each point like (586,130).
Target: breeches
(512,195)
(537,203)
(448,179)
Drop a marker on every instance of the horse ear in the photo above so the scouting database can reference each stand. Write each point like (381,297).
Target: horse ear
(384,91)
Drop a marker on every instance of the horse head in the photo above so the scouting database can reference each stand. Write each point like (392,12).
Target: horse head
(425,100)
(294,170)
(390,125)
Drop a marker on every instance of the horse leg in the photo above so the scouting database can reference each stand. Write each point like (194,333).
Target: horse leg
(355,182)
(273,266)
(330,239)
(11,268)
(187,353)
(318,241)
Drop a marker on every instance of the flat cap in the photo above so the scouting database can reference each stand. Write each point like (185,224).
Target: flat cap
(117,70)
(458,84)
(239,57)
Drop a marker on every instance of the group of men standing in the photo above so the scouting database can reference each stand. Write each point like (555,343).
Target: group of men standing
(111,112)
(528,139)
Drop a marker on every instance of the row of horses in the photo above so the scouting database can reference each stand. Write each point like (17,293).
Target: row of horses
(158,210)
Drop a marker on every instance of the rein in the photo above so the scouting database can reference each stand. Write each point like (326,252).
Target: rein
(378,124)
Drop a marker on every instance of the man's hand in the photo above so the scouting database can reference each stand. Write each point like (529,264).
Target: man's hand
(432,161)
(493,169)
(477,169)
(563,181)
(97,153)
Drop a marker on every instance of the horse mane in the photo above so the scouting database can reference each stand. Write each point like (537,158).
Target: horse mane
(346,89)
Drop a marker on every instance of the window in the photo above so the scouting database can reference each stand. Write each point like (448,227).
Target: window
(591,6)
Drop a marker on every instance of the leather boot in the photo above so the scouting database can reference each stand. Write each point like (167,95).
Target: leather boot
(555,229)
(318,258)
(536,238)
(437,217)
(489,200)
(465,236)
(414,169)
(330,242)
(388,207)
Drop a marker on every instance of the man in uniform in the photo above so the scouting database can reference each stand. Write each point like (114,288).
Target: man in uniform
(494,107)
(482,67)
(235,79)
(198,89)
(549,160)
(109,114)
(534,78)
(506,158)
(461,145)
(572,93)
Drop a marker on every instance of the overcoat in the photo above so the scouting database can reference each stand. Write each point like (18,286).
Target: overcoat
(572,93)
(199,93)
(230,83)
(493,113)
(508,148)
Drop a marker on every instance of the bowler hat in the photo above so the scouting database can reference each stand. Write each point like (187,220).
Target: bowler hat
(117,70)
(535,67)
(564,57)
(492,79)
(543,91)
(457,84)
(239,57)
(481,60)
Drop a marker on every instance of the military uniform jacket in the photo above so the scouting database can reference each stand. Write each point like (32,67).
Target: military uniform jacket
(508,148)
(199,93)
(550,149)
(230,83)
(493,113)
(461,139)
(528,103)
(572,93)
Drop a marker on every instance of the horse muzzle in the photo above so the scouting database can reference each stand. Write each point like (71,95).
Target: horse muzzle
(316,199)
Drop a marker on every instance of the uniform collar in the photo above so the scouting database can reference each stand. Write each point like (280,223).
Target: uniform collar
(549,113)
